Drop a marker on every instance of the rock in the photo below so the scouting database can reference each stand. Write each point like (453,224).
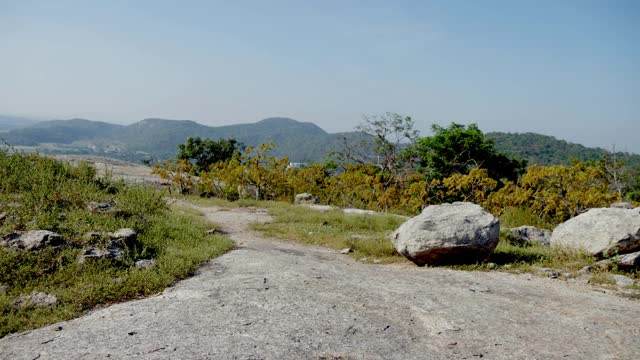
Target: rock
(32,240)
(346,251)
(629,261)
(622,281)
(602,232)
(110,245)
(36,299)
(622,205)
(100,207)
(306,198)
(531,234)
(96,254)
(145,264)
(121,238)
(2,217)
(602,265)
(448,234)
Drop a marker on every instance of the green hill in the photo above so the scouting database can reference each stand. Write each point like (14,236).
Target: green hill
(158,138)
(547,150)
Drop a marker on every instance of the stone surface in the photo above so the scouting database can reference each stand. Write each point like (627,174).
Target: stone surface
(448,233)
(145,264)
(36,299)
(622,205)
(306,198)
(622,281)
(100,207)
(345,251)
(122,238)
(32,240)
(629,261)
(92,253)
(280,300)
(531,234)
(602,232)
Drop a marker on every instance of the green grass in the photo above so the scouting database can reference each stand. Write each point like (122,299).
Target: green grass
(514,217)
(41,193)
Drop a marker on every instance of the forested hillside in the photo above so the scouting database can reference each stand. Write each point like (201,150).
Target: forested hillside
(547,150)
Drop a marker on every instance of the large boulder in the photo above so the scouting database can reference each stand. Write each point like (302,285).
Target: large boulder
(531,234)
(602,232)
(306,198)
(448,234)
(32,240)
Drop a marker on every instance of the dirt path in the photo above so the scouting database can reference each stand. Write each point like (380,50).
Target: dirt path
(275,300)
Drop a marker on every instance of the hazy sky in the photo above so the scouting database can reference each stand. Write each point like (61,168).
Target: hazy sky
(565,68)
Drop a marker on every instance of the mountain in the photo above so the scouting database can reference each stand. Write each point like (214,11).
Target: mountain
(547,150)
(14,122)
(61,132)
(158,138)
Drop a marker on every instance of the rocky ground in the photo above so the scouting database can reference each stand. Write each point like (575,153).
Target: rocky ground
(278,300)
(273,300)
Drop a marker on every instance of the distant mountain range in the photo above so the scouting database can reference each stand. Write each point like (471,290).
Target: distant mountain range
(14,122)
(157,139)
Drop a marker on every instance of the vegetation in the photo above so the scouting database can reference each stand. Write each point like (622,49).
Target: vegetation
(44,194)
(547,150)
(205,152)
(455,164)
(299,141)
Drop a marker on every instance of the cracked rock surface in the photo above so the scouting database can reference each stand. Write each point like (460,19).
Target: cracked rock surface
(278,300)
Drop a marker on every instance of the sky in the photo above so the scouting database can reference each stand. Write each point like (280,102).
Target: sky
(565,68)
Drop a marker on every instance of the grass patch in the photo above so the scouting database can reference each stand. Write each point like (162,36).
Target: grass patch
(514,217)
(45,194)
(366,235)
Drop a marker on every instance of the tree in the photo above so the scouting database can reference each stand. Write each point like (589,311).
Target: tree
(203,153)
(458,149)
(387,136)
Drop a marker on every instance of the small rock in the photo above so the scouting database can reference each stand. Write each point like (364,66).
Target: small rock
(32,240)
(531,234)
(622,281)
(212,231)
(310,233)
(95,254)
(125,236)
(622,205)
(346,251)
(36,299)
(145,264)
(101,207)
(4,288)
(492,265)
(306,198)
(118,280)
(602,265)
(629,261)
(2,217)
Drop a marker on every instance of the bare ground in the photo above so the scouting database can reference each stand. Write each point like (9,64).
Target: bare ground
(278,300)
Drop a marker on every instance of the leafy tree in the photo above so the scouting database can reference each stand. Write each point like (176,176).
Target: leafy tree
(204,152)
(458,149)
